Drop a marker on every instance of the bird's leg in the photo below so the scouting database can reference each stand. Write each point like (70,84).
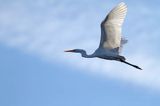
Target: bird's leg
(121,58)
(130,64)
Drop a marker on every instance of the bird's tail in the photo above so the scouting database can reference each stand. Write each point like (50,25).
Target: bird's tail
(135,66)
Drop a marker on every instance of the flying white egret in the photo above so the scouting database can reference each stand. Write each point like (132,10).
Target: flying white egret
(111,41)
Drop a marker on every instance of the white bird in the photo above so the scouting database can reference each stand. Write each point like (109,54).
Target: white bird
(111,40)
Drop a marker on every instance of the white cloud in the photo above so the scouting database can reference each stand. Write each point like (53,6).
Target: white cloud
(48,28)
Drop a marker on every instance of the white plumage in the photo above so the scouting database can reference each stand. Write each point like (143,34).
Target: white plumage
(111,37)
(111,28)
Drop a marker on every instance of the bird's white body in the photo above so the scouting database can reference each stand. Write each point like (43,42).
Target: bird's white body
(111,36)
(106,54)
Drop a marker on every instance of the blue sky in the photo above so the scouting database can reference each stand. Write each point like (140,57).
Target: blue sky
(29,81)
(34,70)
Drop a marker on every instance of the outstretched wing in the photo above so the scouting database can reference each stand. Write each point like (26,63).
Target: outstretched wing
(111,28)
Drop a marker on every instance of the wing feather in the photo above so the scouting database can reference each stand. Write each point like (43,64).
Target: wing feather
(111,27)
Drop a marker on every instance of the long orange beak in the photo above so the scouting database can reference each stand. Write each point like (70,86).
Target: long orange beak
(69,50)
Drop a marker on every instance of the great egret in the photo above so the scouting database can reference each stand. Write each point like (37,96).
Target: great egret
(111,41)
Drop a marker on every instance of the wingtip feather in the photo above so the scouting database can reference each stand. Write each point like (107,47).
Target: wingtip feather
(121,3)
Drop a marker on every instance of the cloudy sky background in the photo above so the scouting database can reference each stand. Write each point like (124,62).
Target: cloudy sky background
(35,70)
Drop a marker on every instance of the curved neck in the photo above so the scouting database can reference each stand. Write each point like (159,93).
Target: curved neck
(84,54)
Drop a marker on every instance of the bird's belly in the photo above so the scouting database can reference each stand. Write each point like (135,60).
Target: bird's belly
(108,57)
(106,54)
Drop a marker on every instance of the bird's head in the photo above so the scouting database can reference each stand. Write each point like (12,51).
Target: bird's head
(82,52)
(75,50)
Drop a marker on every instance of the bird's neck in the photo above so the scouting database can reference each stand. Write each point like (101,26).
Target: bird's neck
(85,55)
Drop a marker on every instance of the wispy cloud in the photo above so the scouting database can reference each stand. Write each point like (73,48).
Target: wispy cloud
(46,28)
